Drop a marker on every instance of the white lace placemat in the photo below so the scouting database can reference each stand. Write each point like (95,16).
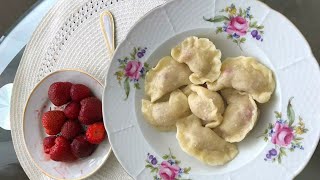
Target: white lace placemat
(69,37)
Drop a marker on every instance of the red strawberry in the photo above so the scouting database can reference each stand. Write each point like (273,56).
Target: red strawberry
(71,129)
(49,132)
(96,133)
(52,121)
(61,141)
(91,111)
(59,93)
(80,147)
(48,142)
(79,92)
(72,110)
(61,151)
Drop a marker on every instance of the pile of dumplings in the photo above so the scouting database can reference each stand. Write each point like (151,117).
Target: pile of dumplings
(211,104)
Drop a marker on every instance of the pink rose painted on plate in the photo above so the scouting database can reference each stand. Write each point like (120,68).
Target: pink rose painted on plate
(168,171)
(238,25)
(133,69)
(283,135)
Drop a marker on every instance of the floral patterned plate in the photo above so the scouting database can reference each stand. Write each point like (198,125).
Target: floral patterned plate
(287,131)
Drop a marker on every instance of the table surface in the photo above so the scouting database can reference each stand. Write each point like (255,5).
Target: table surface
(303,13)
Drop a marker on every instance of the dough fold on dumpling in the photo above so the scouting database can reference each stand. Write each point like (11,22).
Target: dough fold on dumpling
(239,117)
(202,57)
(203,143)
(246,74)
(163,115)
(206,105)
(187,90)
(166,77)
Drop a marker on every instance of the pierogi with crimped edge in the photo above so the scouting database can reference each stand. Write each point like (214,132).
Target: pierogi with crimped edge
(163,115)
(202,57)
(206,105)
(240,116)
(166,77)
(211,104)
(248,75)
(203,143)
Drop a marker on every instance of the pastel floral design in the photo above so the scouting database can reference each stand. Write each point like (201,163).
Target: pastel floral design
(131,70)
(284,134)
(237,23)
(168,169)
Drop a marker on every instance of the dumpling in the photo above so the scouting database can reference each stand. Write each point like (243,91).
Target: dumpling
(206,105)
(240,116)
(187,90)
(163,115)
(246,74)
(203,143)
(202,57)
(166,77)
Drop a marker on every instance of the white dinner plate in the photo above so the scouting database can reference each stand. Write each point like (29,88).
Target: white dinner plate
(34,133)
(288,130)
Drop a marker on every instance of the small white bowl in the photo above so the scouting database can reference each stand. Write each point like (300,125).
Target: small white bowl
(34,133)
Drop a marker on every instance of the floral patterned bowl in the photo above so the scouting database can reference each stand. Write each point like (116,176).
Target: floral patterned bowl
(286,133)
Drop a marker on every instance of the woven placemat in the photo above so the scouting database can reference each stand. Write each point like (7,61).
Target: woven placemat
(69,37)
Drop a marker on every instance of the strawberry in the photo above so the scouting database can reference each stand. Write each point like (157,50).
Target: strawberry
(49,132)
(96,133)
(72,110)
(71,129)
(61,151)
(80,147)
(79,92)
(48,142)
(59,93)
(91,111)
(52,121)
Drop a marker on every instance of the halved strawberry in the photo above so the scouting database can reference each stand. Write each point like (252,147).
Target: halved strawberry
(96,133)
